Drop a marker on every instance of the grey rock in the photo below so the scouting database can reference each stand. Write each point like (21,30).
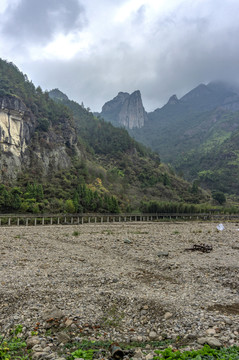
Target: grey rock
(153,335)
(47,349)
(211,341)
(202,340)
(127,241)
(138,354)
(63,338)
(167,315)
(162,253)
(32,341)
(211,331)
(53,313)
(149,356)
(214,343)
(38,355)
(228,321)
(125,110)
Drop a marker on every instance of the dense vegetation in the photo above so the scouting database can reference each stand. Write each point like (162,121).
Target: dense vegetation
(13,346)
(108,171)
(216,167)
(206,353)
(198,135)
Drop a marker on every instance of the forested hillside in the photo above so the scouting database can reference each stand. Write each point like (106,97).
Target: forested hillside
(56,156)
(196,134)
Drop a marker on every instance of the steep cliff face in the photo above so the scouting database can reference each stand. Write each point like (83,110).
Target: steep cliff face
(125,110)
(23,147)
(17,125)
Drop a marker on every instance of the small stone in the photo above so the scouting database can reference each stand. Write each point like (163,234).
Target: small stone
(53,313)
(202,340)
(149,356)
(228,321)
(36,348)
(138,354)
(50,356)
(47,349)
(38,355)
(63,338)
(167,315)
(68,322)
(214,343)
(152,335)
(32,342)
(162,253)
(127,241)
(211,332)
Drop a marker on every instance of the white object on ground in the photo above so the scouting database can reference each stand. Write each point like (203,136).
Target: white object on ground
(220,227)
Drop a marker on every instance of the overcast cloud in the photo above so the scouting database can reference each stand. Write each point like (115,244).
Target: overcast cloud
(93,49)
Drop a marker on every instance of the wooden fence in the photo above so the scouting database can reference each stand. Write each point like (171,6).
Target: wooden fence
(77,219)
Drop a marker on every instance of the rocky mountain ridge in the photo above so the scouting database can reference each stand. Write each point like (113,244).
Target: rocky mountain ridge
(190,133)
(125,110)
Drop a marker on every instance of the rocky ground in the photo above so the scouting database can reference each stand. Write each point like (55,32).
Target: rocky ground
(122,282)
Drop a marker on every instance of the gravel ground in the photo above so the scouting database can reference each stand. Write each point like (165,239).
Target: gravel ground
(122,282)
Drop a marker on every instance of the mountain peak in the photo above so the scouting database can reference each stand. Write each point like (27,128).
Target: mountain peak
(173,100)
(56,94)
(125,110)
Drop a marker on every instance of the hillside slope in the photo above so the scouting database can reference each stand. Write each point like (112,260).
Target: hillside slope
(137,170)
(56,156)
(193,133)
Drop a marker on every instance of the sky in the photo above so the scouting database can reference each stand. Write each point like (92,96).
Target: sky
(92,49)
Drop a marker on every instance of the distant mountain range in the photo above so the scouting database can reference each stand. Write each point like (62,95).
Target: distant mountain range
(197,133)
(55,156)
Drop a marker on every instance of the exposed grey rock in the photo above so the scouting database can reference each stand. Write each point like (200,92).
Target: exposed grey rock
(153,335)
(138,354)
(32,341)
(202,340)
(173,100)
(213,342)
(53,313)
(127,241)
(211,331)
(63,338)
(167,315)
(125,110)
(17,127)
(149,356)
(162,253)
(38,355)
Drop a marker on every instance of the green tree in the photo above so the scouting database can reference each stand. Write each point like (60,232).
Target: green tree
(69,206)
(16,198)
(219,197)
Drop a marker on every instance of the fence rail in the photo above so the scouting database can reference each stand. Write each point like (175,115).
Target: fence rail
(77,219)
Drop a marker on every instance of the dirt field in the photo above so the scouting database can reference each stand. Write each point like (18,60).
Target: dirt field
(133,280)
